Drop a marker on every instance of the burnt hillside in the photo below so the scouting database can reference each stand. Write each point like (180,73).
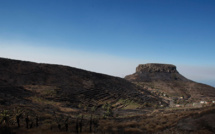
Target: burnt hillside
(68,84)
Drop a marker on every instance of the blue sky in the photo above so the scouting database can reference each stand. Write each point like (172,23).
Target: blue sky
(112,36)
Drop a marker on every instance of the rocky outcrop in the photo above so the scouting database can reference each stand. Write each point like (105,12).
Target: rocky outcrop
(155,72)
(153,67)
(166,78)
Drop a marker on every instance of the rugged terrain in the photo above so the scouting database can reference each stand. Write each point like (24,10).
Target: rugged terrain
(62,83)
(166,79)
(55,99)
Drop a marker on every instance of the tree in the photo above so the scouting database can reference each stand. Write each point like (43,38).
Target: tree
(77,125)
(4,117)
(37,120)
(66,123)
(108,109)
(27,121)
(81,123)
(93,109)
(58,120)
(18,115)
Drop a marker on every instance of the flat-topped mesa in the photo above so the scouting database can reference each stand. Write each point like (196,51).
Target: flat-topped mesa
(155,72)
(155,67)
(165,78)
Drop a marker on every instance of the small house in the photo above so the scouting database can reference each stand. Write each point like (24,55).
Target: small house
(177,105)
(181,97)
(203,102)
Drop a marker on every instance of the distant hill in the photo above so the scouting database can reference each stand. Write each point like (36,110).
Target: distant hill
(21,80)
(165,78)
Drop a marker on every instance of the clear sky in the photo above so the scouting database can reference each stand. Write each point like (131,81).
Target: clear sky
(112,36)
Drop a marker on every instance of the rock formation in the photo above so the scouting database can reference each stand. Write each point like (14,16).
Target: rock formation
(155,72)
(154,67)
(166,78)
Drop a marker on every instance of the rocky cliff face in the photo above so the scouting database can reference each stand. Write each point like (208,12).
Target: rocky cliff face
(166,78)
(153,67)
(155,72)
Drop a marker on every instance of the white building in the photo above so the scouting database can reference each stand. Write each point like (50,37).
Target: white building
(177,105)
(203,102)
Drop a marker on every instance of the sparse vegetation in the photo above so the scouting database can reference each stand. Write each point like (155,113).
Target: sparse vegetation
(61,99)
(152,122)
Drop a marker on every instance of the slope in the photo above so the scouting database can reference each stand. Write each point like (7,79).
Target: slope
(69,86)
(165,78)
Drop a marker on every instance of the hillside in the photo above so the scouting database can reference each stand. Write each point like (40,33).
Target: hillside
(165,78)
(20,81)
(60,99)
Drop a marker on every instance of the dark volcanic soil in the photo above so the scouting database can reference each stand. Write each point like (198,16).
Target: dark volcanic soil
(63,83)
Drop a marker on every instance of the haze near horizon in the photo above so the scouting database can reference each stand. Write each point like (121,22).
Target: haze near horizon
(112,36)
